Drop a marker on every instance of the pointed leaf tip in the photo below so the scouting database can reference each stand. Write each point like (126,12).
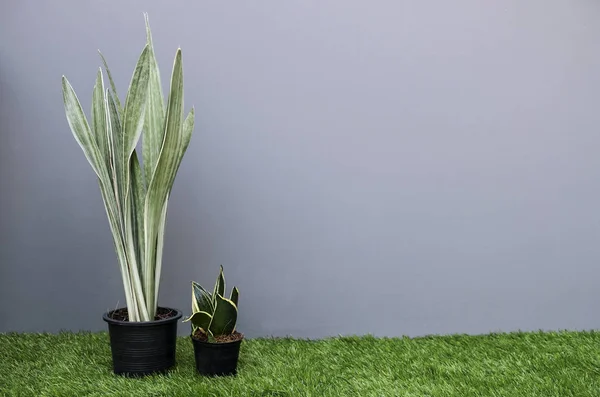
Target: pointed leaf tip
(148,30)
(235,295)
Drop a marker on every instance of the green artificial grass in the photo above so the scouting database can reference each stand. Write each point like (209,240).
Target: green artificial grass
(518,364)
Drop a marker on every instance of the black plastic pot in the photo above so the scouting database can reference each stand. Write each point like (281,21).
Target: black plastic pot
(216,359)
(143,348)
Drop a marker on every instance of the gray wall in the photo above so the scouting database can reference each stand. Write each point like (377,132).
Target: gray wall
(386,167)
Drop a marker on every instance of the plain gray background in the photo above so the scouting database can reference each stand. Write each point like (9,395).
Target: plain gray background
(385,167)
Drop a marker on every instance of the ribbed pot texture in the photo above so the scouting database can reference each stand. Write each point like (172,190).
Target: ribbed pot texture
(143,348)
(216,359)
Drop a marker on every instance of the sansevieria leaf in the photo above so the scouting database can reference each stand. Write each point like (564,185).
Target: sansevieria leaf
(117,173)
(235,295)
(124,218)
(160,241)
(81,130)
(135,104)
(224,317)
(219,285)
(113,87)
(99,117)
(188,127)
(154,123)
(138,193)
(200,320)
(133,121)
(201,299)
(163,177)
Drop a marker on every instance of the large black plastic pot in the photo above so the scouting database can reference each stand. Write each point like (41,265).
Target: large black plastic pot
(216,359)
(143,348)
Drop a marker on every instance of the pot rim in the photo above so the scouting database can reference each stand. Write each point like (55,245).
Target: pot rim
(112,321)
(216,344)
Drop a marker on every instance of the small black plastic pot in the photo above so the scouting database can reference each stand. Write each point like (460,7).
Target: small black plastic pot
(216,359)
(143,348)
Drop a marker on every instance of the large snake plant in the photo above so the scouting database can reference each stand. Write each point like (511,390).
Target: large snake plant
(135,198)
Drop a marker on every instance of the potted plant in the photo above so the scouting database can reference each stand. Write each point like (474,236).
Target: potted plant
(215,339)
(142,335)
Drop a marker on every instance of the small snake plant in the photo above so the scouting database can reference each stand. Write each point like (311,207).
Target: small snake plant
(214,314)
(135,198)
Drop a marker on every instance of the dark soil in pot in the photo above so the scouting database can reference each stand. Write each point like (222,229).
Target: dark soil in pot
(142,348)
(219,358)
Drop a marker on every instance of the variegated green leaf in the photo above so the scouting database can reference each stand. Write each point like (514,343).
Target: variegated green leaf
(200,320)
(133,120)
(201,299)
(138,193)
(154,124)
(224,317)
(188,128)
(219,285)
(117,166)
(164,175)
(113,87)
(235,295)
(110,207)
(81,129)
(123,218)
(98,115)
(135,105)
(160,241)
